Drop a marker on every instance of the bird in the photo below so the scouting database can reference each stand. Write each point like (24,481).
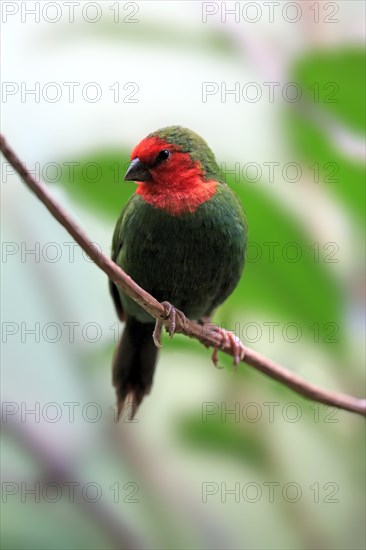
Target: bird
(182,237)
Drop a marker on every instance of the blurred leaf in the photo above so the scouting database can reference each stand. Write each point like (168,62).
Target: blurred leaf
(333,83)
(300,291)
(342,176)
(97,181)
(225,438)
(335,79)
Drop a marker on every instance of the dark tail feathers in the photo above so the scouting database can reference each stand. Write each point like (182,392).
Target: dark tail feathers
(134,364)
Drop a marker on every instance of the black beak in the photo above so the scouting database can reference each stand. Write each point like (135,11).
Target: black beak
(137,171)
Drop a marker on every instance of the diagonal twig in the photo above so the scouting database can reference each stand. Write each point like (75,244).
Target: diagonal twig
(201,333)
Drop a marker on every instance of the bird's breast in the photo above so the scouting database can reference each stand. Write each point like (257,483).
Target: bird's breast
(190,260)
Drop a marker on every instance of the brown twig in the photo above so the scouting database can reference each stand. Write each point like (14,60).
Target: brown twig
(156,309)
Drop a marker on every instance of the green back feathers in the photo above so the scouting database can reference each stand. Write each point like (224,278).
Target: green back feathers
(191,143)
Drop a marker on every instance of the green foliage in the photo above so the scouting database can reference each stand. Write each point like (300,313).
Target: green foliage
(341,175)
(334,84)
(224,437)
(98,181)
(299,291)
(335,80)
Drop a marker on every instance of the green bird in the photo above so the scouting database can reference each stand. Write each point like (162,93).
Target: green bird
(182,237)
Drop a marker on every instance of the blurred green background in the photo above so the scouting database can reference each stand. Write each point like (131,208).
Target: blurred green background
(214,459)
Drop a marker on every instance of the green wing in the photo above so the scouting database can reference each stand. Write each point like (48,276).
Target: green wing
(117,243)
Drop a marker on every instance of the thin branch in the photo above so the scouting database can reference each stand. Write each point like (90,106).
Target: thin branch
(201,333)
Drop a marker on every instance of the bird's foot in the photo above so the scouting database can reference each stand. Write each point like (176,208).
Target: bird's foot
(231,341)
(171,313)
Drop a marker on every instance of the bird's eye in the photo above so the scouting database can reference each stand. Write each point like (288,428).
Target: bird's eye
(164,154)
